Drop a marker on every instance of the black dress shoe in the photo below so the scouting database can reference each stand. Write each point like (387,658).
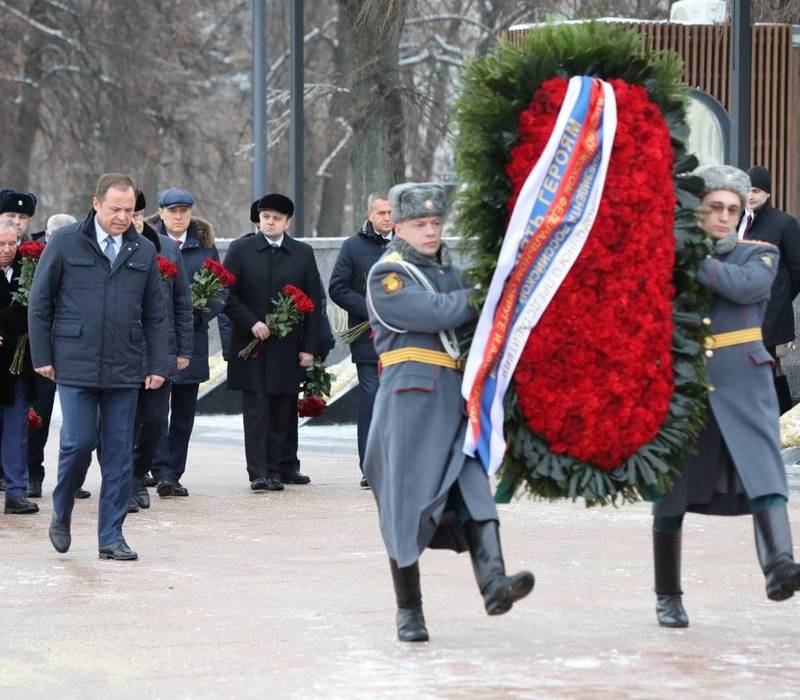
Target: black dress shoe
(273,483)
(133,505)
(166,488)
(259,485)
(82,493)
(364,483)
(20,506)
(150,480)
(34,489)
(295,478)
(670,611)
(180,489)
(411,624)
(119,551)
(59,535)
(141,494)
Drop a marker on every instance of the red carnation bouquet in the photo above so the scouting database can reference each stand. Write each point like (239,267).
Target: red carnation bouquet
(29,253)
(208,283)
(316,386)
(167,268)
(34,419)
(287,310)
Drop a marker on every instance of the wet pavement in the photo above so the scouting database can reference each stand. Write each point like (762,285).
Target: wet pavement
(288,595)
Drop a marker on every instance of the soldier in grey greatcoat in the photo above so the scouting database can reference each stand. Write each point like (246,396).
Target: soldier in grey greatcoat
(738,468)
(429,493)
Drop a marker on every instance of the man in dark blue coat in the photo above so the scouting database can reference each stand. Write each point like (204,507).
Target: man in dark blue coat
(348,288)
(195,240)
(96,297)
(152,412)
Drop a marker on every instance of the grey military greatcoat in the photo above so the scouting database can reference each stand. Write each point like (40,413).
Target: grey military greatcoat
(414,451)
(742,431)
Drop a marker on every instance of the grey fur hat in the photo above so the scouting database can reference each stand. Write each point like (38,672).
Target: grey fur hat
(417,200)
(724,177)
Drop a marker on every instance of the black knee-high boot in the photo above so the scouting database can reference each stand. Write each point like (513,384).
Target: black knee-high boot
(499,591)
(667,559)
(774,547)
(410,620)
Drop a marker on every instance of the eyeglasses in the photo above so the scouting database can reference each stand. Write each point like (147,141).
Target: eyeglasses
(718,208)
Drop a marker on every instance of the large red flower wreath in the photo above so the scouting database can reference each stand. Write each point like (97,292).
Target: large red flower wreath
(595,379)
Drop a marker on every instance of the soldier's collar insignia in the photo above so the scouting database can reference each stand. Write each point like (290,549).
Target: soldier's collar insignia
(392,283)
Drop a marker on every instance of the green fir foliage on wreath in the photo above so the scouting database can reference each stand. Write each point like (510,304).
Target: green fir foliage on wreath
(496,90)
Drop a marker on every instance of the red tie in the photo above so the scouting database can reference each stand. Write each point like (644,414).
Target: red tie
(748,225)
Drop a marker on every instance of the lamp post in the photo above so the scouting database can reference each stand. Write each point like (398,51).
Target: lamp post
(741,41)
(259,96)
(296,150)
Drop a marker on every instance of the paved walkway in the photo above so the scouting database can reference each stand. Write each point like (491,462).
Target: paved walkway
(288,595)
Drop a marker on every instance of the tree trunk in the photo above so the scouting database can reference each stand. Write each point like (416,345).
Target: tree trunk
(18,151)
(377,154)
(330,221)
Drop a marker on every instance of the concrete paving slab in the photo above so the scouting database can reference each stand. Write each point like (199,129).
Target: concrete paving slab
(288,595)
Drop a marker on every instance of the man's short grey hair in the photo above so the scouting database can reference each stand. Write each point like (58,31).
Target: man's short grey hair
(58,221)
(374,197)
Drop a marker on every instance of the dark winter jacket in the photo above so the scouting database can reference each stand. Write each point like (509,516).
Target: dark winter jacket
(178,297)
(199,246)
(348,285)
(13,325)
(261,273)
(774,226)
(88,319)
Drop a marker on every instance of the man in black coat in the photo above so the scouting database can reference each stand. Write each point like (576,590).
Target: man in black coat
(348,289)
(97,317)
(763,222)
(15,390)
(263,263)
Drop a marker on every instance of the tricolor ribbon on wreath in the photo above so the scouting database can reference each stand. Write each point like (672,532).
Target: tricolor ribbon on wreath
(547,230)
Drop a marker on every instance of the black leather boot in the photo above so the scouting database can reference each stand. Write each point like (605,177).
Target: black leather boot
(667,559)
(774,547)
(410,620)
(499,591)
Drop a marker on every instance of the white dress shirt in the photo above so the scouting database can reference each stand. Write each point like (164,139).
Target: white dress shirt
(274,244)
(8,272)
(743,222)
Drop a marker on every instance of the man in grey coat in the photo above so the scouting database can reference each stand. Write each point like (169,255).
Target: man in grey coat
(738,468)
(429,493)
(95,305)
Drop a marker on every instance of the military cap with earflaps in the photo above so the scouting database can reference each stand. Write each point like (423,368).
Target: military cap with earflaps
(141,202)
(724,177)
(17,202)
(417,200)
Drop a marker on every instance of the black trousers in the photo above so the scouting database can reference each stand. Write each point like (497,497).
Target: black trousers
(37,437)
(785,402)
(152,414)
(269,420)
(367,388)
(170,459)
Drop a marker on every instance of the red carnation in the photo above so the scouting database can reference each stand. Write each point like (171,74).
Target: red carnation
(31,249)
(167,268)
(595,378)
(34,419)
(311,406)
(299,298)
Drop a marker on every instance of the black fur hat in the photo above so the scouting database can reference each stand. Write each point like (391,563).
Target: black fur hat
(18,202)
(276,202)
